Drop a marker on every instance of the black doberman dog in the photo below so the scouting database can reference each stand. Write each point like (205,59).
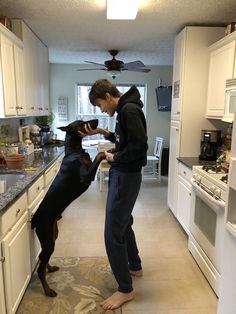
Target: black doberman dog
(73,179)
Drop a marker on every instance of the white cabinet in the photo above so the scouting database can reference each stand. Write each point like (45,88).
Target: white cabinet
(11,75)
(35,196)
(2,294)
(189,96)
(184,196)
(17,272)
(172,176)
(49,175)
(8,76)
(221,67)
(16,252)
(178,70)
(36,62)
(20,81)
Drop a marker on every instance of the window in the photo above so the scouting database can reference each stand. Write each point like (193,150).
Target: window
(86,111)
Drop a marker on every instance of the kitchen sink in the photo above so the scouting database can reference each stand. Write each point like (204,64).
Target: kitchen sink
(7,180)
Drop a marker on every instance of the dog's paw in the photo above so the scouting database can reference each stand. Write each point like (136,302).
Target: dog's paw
(101,156)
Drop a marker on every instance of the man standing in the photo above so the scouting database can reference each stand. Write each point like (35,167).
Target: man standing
(127,160)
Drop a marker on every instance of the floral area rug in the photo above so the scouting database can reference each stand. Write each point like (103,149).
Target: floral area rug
(81,284)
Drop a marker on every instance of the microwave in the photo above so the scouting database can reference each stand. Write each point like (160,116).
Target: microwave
(230,100)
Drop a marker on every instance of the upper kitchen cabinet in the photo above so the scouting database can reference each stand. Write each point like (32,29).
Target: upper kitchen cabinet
(222,66)
(190,75)
(36,63)
(12,97)
(179,50)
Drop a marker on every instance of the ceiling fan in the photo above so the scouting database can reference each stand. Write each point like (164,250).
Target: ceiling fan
(114,67)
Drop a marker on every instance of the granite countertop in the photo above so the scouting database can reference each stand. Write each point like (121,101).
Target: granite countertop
(40,161)
(191,161)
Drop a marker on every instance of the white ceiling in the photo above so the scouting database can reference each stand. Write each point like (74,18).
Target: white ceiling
(77,30)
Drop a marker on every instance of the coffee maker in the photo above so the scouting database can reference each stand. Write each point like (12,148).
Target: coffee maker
(210,142)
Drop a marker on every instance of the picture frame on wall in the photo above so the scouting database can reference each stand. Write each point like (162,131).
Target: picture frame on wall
(63,109)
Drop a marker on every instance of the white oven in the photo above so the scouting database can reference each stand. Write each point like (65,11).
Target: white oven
(207,223)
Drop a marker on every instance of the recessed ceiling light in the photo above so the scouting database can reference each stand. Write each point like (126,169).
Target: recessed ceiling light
(122,9)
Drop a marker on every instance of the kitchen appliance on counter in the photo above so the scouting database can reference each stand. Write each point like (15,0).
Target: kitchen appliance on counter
(26,145)
(208,201)
(35,135)
(46,136)
(210,142)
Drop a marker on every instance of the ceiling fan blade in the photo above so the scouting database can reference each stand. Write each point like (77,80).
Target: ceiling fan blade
(144,70)
(91,62)
(134,64)
(103,69)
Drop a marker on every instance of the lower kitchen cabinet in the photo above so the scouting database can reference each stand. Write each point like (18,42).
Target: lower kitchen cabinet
(2,295)
(35,196)
(19,245)
(184,196)
(16,267)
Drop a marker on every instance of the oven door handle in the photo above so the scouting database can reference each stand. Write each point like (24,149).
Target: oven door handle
(207,196)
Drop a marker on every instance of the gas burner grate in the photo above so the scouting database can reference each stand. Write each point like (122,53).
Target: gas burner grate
(214,168)
(224,179)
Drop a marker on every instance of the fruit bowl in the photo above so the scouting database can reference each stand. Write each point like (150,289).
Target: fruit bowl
(14,161)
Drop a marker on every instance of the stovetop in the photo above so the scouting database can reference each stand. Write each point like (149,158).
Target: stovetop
(214,171)
(213,178)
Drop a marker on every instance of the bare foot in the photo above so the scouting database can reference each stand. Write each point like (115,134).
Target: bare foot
(136,273)
(116,300)
(52,269)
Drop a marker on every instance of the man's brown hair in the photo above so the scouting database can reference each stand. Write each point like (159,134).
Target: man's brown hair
(100,88)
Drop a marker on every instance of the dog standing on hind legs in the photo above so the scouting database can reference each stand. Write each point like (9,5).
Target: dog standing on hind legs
(76,173)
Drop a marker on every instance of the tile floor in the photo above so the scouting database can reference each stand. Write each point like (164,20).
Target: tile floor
(172,282)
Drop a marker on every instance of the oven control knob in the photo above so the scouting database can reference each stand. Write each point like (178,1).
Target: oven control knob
(213,189)
(218,192)
(198,178)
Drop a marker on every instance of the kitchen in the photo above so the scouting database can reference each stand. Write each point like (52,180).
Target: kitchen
(58,71)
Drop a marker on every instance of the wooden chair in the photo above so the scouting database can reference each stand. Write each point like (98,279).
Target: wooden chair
(104,165)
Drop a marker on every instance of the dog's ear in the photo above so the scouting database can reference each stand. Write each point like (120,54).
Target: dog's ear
(65,128)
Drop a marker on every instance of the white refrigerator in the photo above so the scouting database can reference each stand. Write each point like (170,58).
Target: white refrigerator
(227,293)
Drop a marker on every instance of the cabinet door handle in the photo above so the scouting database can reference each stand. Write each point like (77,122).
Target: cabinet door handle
(178,112)
(184,172)
(190,194)
(2,259)
(18,211)
(176,130)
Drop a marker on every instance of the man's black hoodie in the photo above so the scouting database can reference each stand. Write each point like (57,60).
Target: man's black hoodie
(130,136)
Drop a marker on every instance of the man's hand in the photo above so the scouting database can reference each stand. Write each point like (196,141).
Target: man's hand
(109,156)
(89,131)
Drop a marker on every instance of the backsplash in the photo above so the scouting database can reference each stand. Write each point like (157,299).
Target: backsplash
(9,128)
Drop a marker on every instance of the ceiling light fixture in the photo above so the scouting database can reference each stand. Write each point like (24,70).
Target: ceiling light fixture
(122,9)
(113,73)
